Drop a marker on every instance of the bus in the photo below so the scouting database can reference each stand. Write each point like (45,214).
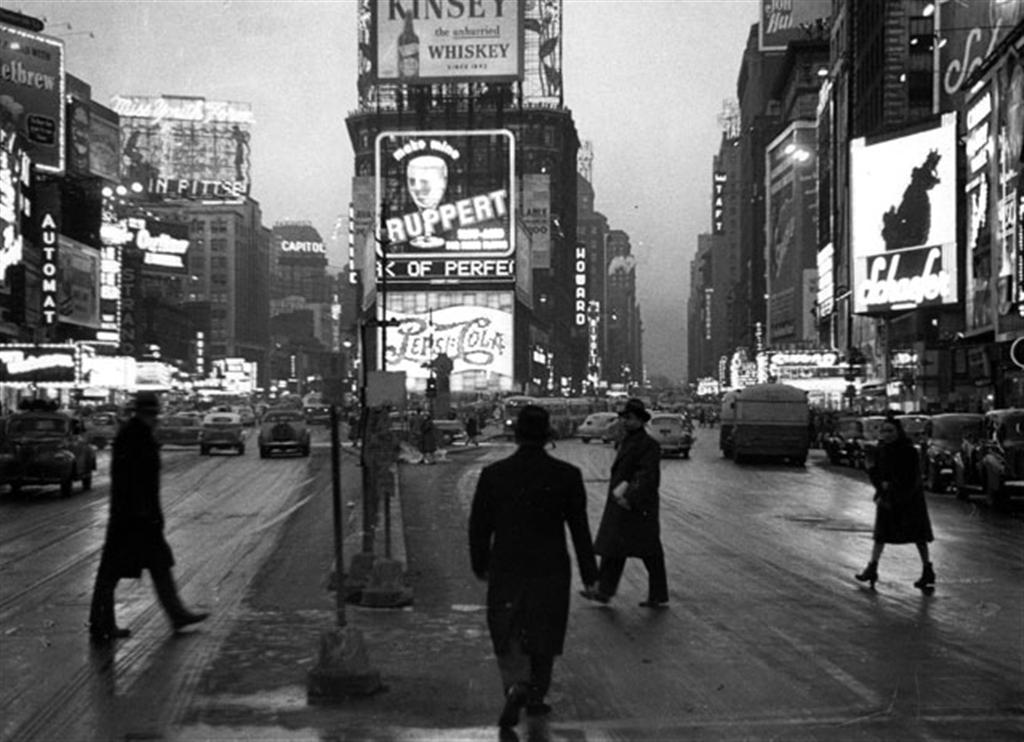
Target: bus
(561,417)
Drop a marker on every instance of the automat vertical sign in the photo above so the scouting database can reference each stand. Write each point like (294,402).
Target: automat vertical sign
(47,232)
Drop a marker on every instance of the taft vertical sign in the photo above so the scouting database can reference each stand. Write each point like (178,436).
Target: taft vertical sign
(32,103)
(718,203)
(421,42)
(903,213)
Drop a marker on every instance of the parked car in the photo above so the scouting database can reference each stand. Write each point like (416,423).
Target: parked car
(283,430)
(318,414)
(46,448)
(596,426)
(222,430)
(994,464)
(180,429)
(866,446)
(450,432)
(841,443)
(943,457)
(673,433)
(101,427)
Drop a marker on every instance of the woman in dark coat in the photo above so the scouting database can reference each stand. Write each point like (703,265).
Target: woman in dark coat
(517,522)
(135,530)
(901,513)
(630,524)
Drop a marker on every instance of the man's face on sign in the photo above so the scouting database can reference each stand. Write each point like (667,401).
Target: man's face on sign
(427,178)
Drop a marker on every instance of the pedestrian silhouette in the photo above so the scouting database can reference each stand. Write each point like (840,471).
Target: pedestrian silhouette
(901,512)
(135,529)
(517,523)
(630,522)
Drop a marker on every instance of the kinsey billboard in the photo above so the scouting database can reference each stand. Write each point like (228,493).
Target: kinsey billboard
(188,148)
(447,202)
(903,212)
(783,21)
(32,97)
(440,41)
(478,340)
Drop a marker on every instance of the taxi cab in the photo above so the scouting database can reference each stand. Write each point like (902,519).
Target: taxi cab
(222,430)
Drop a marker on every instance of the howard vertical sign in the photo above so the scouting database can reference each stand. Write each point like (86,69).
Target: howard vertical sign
(436,41)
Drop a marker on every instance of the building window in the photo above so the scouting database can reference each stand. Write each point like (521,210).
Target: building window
(218,244)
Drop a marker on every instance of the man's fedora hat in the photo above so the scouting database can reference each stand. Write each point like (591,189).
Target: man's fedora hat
(636,407)
(533,424)
(147,402)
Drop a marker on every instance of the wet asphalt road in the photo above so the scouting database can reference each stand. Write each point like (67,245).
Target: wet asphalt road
(767,636)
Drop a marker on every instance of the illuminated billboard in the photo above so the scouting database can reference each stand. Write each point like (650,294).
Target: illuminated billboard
(783,21)
(903,213)
(163,245)
(38,364)
(477,339)
(970,31)
(445,41)
(15,181)
(189,148)
(32,103)
(298,243)
(978,148)
(78,297)
(791,232)
(447,203)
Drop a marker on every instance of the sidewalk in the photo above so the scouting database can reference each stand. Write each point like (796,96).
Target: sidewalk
(434,657)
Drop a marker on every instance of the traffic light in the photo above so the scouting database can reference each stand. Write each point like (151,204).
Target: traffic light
(431,387)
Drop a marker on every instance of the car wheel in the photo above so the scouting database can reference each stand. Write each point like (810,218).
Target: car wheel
(305,450)
(15,489)
(203,450)
(241,450)
(993,496)
(738,457)
(66,485)
(585,440)
(264,452)
(87,483)
(686,454)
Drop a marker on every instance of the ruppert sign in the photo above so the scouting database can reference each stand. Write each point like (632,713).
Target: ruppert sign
(440,41)
(903,208)
(446,203)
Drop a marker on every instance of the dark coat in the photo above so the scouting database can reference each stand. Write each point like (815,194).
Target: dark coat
(517,543)
(135,531)
(634,532)
(901,515)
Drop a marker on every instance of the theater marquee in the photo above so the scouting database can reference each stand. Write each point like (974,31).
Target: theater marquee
(446,204)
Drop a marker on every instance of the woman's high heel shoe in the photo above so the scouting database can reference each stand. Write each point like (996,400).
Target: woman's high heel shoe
(870,574)
(927,581)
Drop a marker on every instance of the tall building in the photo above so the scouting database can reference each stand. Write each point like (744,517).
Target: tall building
(430,135)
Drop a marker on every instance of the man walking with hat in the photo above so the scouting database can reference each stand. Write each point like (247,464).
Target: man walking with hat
(630,522)
(517,522)
(135,530)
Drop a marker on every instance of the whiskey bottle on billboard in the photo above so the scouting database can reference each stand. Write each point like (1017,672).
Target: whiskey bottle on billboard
(408,50)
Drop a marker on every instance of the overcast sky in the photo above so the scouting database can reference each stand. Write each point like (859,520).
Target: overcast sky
(645,80)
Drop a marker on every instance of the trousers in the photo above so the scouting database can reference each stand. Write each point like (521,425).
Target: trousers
(101,612)
(532,670)
(610,572)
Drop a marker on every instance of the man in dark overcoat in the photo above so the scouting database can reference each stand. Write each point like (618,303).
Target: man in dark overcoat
(630,523)
(135,529)
(517,543)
